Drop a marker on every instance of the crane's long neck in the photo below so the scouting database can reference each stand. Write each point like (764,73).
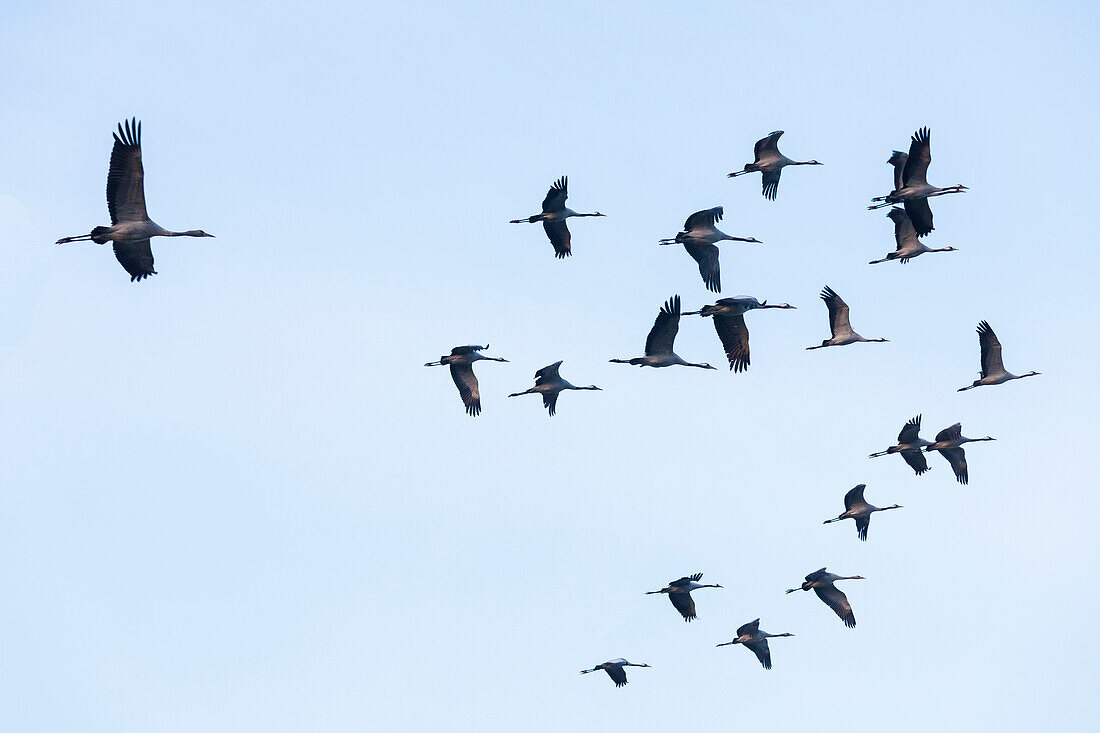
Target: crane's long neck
(884,508)
(775,636)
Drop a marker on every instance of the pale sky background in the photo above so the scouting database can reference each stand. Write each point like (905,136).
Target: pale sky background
(234,500)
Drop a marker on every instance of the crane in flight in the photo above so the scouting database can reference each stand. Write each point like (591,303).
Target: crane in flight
(913,189)
(728,315)
(910,445)
(841,327)
(553,216)
(131,228)
(857,508)
(821,583)
(993,369)
(755,641)
(700,239)
(908,245)
(549,384)
(658,345)
(461,361)
(679,592)
(770,162)
(615,670)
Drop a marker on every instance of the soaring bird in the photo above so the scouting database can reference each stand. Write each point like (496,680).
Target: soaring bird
(549,384)
(756,641)
(658,345)
(908,246)
(857,508)
(700,238)
(614,670)
(728,315)
(993,369)
(461,360)
(770,162)
(553,217)
(909,446)
(131,228)
(679,592)
(914,189)
(949,443)
(838,322)
(822,584)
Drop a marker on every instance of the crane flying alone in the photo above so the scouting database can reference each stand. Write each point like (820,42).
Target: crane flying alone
(553,216)
(549,384)
(993,369)
(728,315)
(679,593)
(614,670)
(131,228)
(461,360)
(700,238)
(908,246)
(911,188)
(857,508)
(910,445)
(658,345)
(821,583)
(755,641)
(770,162)
(839,324)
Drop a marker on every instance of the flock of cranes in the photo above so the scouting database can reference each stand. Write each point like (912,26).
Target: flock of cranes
(131,231)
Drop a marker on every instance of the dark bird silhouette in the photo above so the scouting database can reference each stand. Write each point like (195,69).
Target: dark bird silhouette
(914,190)
(910,445)
(549,384)
(838,322)
(700,238)
(756,641)
(949,443)
(679,592)
(770,162)
(615,670)
(822,584)
(461,360)
(908,246)
(658,345)
(993,369)
(728,315)
(131,228)
(857,508)
(553,216)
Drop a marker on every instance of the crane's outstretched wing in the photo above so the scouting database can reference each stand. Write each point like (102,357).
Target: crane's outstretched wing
(769,182)
(617,674)
(136,258)
(991,350)
(854,497)
(957,458)
(472,348)
(707,257)
(838,312)
(684,603)
(898,160)
(910,432)
(125,179)
(734,335)
(905,236)
(762,652)
(952,433)
(751,628)
(767,146)
(920,155)
(704,218)
(556,196)
(463,374)
(558,234)
(547,373)
(920,215)
(663,334)
(835,599)
(916,460)
(550,402)
(862,523)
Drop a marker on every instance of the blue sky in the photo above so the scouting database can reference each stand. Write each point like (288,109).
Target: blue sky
(233,500)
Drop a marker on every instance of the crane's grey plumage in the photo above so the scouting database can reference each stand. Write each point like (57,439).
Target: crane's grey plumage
(839,324)
(553,216)
(728,315)
(857,508)
(615,670)
(770,162)
(910,445)
(908,245)
(756,641)
(700,238)
(549,384)
(914,191)
(679,593)
(822,584)
(131,228)
(949,443)
(993,369)
(658,345)
(461,361)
